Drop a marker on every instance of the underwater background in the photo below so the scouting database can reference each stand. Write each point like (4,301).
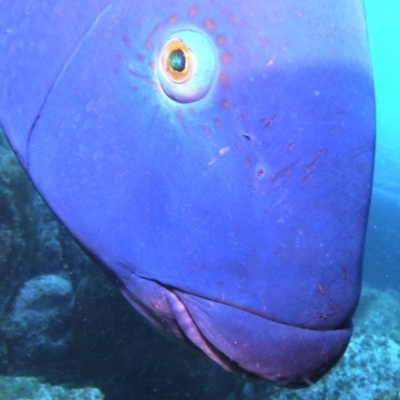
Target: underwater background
(67,333)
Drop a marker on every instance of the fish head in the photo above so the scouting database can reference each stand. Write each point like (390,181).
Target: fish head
(217,159)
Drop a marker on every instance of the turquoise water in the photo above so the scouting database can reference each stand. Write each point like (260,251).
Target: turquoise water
(384,39)
(382,257)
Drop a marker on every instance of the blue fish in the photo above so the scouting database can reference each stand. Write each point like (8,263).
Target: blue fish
(216,157)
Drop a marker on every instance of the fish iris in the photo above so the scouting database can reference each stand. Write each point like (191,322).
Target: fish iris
(177,60)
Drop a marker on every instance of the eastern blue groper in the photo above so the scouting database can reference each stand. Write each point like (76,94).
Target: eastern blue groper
(215,156)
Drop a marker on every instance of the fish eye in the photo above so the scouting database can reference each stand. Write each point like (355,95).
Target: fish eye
(186,66)
(177,60)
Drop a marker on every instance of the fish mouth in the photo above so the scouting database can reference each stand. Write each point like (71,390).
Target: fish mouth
(250,345)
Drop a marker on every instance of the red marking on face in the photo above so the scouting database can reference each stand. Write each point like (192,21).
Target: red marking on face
(225,103)
(145,77)
(283,172)
(172,19)
(148,40)
(206,132)
(224,80)
(220,40)
(225,58)
(152,64)
(232,18)
(305,179)
(217,123)
(209,24)
(126,40)
(316,158)
(268,121)
(192,11)
(290,147)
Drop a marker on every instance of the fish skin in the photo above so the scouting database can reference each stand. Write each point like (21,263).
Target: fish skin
(235,222)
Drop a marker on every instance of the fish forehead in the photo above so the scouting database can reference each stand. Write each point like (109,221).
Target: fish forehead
(251,195)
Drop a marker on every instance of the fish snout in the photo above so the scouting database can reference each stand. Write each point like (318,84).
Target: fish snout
(241,341)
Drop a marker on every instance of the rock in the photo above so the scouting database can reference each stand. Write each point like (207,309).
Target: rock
(12,388)
(41,315)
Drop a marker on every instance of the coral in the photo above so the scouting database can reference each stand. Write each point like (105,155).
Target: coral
(24,388)
(12,243)
(41,316)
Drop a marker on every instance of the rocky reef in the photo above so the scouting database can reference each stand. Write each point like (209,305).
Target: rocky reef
(13,388)
(40,322)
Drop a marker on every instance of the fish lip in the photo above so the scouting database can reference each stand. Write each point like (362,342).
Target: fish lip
(256,347)
(240,341)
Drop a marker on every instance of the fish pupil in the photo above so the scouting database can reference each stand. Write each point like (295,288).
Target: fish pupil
(177,60)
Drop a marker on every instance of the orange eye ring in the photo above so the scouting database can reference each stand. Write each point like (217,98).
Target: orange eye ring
(186,66)
(177,60)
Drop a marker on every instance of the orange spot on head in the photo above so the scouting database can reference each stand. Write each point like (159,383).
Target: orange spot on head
(172,19)
(209,24)
(152,64)
(148,40)
(225,58)
(192,11)
(220,40)
(217,123)
(225,103)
